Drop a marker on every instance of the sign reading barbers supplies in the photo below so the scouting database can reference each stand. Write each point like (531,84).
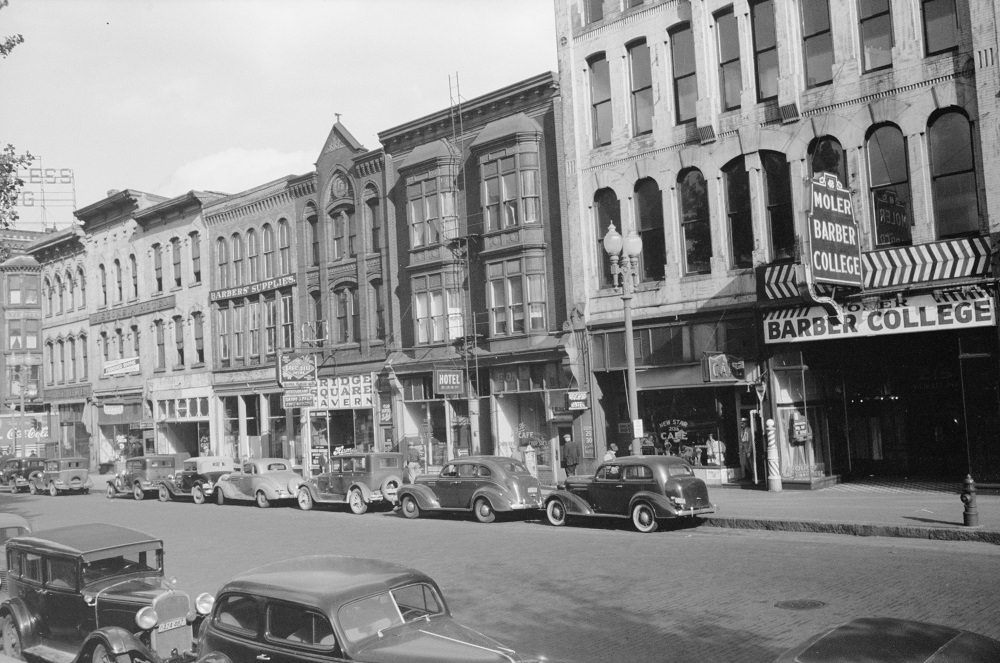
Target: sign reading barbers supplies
(912,314)
(834,240)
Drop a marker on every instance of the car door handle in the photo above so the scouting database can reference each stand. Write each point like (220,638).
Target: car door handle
(263,657)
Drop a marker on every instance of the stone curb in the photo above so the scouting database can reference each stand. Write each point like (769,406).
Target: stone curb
(856,529)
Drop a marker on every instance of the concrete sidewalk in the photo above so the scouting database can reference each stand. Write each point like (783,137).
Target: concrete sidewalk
(859,510)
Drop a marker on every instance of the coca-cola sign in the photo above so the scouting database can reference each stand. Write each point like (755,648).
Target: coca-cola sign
(29,428)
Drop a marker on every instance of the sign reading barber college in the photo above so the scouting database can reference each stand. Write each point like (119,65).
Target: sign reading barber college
(834,241)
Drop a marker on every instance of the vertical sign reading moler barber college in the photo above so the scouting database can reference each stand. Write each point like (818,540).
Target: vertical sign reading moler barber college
(834,242)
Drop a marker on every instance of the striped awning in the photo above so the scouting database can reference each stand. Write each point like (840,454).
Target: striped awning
(897,266)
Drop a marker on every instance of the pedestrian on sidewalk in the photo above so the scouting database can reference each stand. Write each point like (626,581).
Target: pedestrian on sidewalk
(570,455)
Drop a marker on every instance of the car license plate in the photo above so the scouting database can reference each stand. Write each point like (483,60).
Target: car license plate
(172,624)
(532,490)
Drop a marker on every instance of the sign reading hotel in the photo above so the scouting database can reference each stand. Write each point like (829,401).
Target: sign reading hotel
(447,381)
(917,314)
(346,392)
(834,241)
(253,288)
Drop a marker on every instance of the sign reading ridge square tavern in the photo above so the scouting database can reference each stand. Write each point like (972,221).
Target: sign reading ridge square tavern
(834,241)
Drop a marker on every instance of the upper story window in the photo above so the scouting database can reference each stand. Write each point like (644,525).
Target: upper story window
(268,233)
(600,99)
(23,333)
(223,332)
(940,26)
(641,79)
(117,266)
(378,309)
(517,296)
(60,294)
(649,219)
(593,10)
(510,191)
(765,49)
(344,233)
(82,280)
(158,267)
(738,212)
(696,224)
(133,268)
(195,239)
(347,328)
(817,42)
(888,175)
(103,272)
(284,248)
(22,289)
(222,258)
(287,320)
(437,310)
(178,341)
(236,246)
(431,205)
(607,211)
(175,261)
(161,348)
(198,324)
(47,302)
(826,155)
(876,34)
(312,236)
(373,219)
(778,197)
(727,35)
(684,75)
(953,175)
(253,257)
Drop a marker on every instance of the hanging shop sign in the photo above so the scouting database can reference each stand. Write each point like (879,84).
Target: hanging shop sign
(253,288)
(122,366)
(912,314)
(577,400)
(448,381)
(834,240)
(297,370)
(720,367)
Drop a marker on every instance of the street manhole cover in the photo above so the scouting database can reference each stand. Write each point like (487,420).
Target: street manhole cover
(799,604)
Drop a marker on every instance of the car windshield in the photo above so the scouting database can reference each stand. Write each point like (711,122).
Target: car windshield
(366,617)
(161,462)
(511,466)
(123,563)
(190,466)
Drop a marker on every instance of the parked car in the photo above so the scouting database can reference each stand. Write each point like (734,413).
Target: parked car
(484,485)
(61,475)
(142,474)
(95,592)
(331,608)
(196,478)
(264,480)
(359,479)
(887,640)
(16,470)
(11,525)
(643,488)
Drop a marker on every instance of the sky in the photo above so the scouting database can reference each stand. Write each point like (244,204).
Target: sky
(168,96)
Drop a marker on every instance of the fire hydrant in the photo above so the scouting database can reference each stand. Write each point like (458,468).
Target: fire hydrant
(971,514)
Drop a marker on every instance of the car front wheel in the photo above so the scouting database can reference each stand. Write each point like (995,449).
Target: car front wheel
(484,510)
(262,500)
(644,518)
(409,507)
(555,511)
(13,486)
(53,491)
(100,655)
(110,492)
(163,494)
(137,493)
(220,498)
(198,495)
(32,488)
(305,499)
(357,501)
(11,638)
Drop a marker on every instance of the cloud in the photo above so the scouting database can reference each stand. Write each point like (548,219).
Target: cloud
(237,169)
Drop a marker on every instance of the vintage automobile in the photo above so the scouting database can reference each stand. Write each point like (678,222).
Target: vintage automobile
(331,608)
(95,592)
(484,485)
(264,480)
(644,488)
(142,474)
(196,478)
(888,640)
(61,475)
(359,479)
(11,525)
(16,470)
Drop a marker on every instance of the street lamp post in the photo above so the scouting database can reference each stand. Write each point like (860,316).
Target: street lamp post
(624,254)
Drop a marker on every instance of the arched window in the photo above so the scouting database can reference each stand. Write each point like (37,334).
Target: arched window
(344,233)
(738,212)
(373,219)
(175,261)
(82,280)
(83,357)
(222,259)
(696,228)
(378,309)
(48,297)
(59,294)
(778,197)
(318,322)
(50,356)
(268,251)
(118,281)
(953,175)
(104,284)
(133,268)
(347,326)
(195,239)
(72,359)
(890,185)
(253,257)
(827,156)
(649,215)
(236,246)
(607,211)
(284,248)
(158,267)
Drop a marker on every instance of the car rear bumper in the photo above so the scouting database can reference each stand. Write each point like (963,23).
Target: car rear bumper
(695,511)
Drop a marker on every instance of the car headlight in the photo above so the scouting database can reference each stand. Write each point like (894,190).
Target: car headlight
(203,603)
(146,618)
